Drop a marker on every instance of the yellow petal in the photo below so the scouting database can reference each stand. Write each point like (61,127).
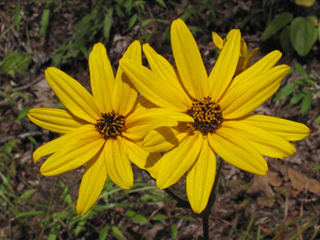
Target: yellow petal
(138,124)
(177,161)
(239,66)
(267,143)
(247,96)
(263,65)
(165,138)
(139,131)
(125,94)
(200,178)
(141,104)
(58,143)
(243,48)
(73,155)
(217,40)
(101,77)
(142,158)
(237,151)
(225,66)
(164,69)
(151,114)
(55,120)
(188,60)
(248,59)
(289,130)
(305,3)
(117,162)
(153,87)
(92,183)
(73,95)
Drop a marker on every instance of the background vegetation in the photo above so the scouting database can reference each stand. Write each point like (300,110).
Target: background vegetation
(37,34)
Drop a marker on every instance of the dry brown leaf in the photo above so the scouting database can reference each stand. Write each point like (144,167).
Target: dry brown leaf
(300,182)
(262,185)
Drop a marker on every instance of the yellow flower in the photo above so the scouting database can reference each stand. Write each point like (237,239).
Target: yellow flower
(104,130)
(220,106)
(305,3)
(245,58)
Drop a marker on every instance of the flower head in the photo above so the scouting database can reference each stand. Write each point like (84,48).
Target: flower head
(104,130)
(220,106)
(245,58)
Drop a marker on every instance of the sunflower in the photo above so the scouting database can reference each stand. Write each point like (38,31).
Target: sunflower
(104,130)
(220,107)
(245,58)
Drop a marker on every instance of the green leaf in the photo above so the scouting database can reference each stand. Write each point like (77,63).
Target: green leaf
(66,197)
(132,21)
(276,24)
(303,34)
(23,113)
(31,139)
(286,90)
(117,233)
(44,22)
(317,167)
(128,5)
(160,217)
(27,194)
(166,34)
(104,232)
(119,12)
(188,218)
(244,21)
(301,70)
(147,21)
(136,217)
(57,58)
(107,23)
(11,145)
(285,41)
(188,12)
(194,30)
(16,62)
(141,4)
(80,227)
(296,98)
(83,26)
(161,2)
(306,103)
(11,99)
(317,120)
(20,94)
(174,231)
(17,17)
(53,232)
(319,31)
(84,51)
(5,180)
(30,213)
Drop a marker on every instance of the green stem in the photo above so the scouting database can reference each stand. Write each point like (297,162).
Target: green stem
(206,212)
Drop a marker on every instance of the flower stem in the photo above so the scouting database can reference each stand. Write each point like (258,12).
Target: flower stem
(181,203)
(206,212)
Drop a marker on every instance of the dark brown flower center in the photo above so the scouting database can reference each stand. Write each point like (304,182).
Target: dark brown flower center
(207,115)
(110,125)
